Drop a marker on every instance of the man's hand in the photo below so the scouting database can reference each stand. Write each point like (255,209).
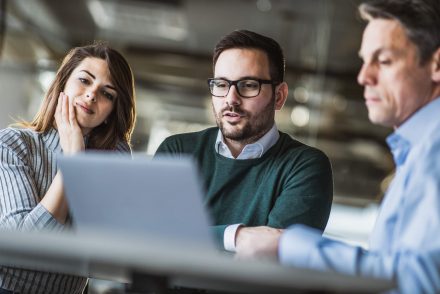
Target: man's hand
(257,242)
(71,136)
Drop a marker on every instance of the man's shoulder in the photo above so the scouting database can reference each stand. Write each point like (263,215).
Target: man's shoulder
(294,158)
(296,148)
(188,142)
(428,151)
(295,155)
(193,137)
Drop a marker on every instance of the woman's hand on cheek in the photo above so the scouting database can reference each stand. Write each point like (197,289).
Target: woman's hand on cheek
(71,137)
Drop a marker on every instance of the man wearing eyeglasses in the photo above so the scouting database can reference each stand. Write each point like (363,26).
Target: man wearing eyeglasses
(254,175)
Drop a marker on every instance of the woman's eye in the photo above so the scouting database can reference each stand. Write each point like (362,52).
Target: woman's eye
(84,81)
(108,96)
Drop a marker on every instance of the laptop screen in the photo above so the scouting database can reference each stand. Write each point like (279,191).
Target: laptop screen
(160,197)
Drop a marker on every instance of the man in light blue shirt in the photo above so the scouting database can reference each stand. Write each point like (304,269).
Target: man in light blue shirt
(401,75)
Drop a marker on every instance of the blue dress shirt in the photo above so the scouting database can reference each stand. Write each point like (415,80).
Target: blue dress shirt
(405,243)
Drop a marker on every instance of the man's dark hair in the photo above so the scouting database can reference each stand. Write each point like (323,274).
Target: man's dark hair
(420,19)
(243,39)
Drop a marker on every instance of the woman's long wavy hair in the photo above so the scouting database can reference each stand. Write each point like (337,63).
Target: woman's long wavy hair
(120,123)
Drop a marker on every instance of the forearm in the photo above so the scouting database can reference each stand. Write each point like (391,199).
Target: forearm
(258,242)
(20,207)
(54,201)
(414,270)
(302,246)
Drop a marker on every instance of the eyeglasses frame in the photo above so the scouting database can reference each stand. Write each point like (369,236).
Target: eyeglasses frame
(234,83)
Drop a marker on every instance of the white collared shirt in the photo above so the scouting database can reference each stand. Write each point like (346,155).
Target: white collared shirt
(250,151)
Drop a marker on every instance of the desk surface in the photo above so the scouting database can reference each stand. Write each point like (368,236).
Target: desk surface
(117,258)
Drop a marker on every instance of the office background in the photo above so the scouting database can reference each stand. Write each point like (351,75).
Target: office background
(169,45)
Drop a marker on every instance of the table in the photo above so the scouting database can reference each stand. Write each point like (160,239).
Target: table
(152,264)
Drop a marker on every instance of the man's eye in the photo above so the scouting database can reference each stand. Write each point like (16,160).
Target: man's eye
(384,61)
(249,85)
(221,84)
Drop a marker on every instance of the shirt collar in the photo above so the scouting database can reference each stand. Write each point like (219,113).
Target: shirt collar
(253,150)
(411,132)
(418,124)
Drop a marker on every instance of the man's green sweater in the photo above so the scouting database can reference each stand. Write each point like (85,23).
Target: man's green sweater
(291,183)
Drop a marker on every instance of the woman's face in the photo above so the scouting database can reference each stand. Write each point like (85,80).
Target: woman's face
(92,93)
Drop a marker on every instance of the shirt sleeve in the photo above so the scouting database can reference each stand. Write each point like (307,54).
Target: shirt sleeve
(302,246)
(229,237)
(415,271)
(19,200)
(413,263)
(411,255)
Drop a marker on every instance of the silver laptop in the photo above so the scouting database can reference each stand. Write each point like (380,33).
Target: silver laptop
(159,197)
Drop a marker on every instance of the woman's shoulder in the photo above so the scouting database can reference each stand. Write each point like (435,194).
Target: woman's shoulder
(12,135)
(16,136)
(17,140)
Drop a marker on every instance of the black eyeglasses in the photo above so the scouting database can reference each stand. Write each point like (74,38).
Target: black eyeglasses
(246,88)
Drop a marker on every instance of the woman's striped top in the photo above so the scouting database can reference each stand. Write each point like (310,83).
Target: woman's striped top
(27,167)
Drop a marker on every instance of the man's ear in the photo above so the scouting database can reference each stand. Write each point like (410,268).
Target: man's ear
(436,66)
(281,92)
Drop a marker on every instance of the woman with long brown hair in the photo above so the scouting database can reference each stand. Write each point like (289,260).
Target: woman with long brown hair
(89,105)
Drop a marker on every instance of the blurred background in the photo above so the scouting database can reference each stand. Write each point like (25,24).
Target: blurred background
(169,45)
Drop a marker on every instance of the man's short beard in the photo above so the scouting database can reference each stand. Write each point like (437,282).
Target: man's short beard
(237,135)
(254,129)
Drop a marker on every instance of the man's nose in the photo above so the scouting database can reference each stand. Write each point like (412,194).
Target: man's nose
(367,75)
(233,98)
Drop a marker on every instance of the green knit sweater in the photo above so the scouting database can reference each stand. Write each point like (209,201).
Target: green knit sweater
(291,183)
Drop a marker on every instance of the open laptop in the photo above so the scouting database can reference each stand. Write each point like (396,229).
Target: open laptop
(159,197)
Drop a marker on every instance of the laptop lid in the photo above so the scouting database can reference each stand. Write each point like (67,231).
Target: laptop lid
(159,197)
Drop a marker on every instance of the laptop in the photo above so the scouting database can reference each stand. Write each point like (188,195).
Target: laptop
(140,196)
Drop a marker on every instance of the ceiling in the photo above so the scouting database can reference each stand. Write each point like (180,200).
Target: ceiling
(169,44)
